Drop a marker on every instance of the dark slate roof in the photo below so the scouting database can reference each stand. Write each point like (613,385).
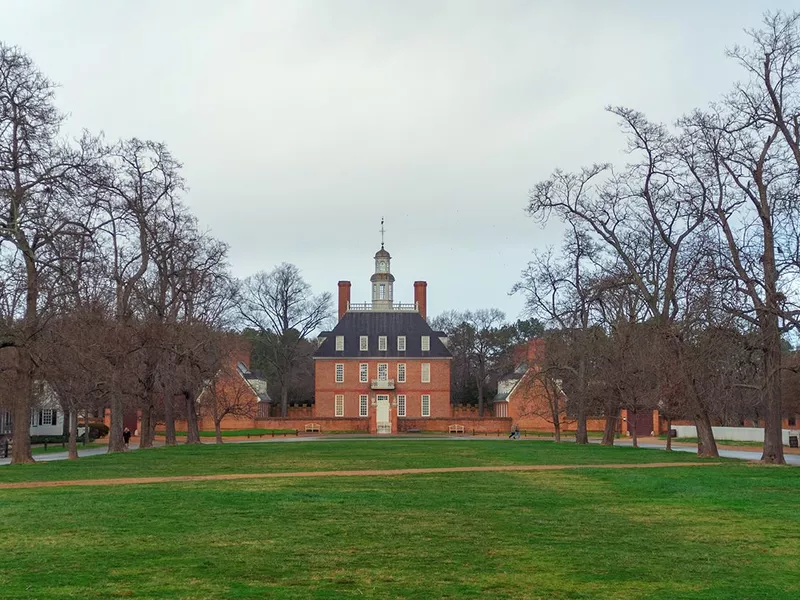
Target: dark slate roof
(354,324)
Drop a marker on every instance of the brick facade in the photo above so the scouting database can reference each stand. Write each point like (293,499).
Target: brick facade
(326,388)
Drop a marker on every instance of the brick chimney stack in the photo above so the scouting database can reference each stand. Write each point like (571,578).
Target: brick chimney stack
(344,297)
(421,298)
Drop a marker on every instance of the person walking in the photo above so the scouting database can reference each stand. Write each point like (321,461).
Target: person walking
(126,436)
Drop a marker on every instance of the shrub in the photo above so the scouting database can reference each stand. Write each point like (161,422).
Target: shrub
(48,439)
(97,430)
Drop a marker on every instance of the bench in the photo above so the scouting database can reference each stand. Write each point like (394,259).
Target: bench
(313,428)
(413,430)
(456,429)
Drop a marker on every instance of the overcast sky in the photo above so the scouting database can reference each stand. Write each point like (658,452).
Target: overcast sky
(301,123)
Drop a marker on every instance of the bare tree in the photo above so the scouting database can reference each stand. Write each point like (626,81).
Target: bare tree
(280,303)
(227,394)
(645,216)
(559,290)
(36,169)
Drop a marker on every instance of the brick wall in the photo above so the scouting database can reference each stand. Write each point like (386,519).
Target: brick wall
(326,424)
(326,387)
(479,425)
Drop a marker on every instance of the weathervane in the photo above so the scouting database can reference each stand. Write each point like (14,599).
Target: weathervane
(382,232)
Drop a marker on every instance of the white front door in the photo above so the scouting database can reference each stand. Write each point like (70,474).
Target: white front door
(382,414)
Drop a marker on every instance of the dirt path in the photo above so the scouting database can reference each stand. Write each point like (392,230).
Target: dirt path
(369,473)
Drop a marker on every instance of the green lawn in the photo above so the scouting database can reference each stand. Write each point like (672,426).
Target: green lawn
(329,455)
(713,532)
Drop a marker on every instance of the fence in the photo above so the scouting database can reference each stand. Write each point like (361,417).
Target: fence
(739,434)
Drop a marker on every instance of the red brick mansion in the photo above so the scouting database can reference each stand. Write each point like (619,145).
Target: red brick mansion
(382,364)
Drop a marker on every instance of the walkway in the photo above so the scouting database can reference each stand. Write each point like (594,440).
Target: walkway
(369,473)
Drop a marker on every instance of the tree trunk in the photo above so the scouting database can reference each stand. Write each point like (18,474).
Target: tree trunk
(73,434)
(21,411)
(285,401)
(116,443)
(218,430)
(706,445)
(632,428)
(146,433)
(557,430)
(169,419)
(610,429)
(192,429)
(86,427)
(581,435)
(669,433)
(773,436)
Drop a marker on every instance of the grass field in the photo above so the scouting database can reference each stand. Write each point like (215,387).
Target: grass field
(208,459)
(712,532)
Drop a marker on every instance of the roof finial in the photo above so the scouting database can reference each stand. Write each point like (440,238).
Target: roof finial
(382,232)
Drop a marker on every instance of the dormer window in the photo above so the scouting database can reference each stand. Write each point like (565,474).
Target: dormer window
(340,343)
(401,343)
(382,343)
(363,343)
(426,343)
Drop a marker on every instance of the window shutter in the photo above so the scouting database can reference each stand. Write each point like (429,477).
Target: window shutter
(55,417)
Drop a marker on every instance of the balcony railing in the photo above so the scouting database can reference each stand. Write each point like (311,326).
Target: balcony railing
(379,306)
(383,384)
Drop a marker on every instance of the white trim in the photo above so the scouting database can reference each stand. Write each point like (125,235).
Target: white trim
(423,399)
(339,343)
(401,343)
(401,378)
(425,343)
(363,372)
(363,343)
(383,343)
(339,375)
(338,405)
(401,405)
(363,405)
(425,372)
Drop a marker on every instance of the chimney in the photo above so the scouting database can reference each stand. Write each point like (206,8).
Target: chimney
(421,298)
(344,297)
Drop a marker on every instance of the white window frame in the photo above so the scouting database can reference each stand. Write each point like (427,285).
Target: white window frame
(401,372)
(383,343)
(381,291)
(425,343)
(425,402)
(363,372)
(425,372)
(363,405)
(338,405)
(339,375)
(401,405)
(383,367)
(363,343)
(401,343)
(339,343)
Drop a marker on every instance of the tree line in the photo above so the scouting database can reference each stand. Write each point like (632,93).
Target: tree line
(675,286)
(109,289)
